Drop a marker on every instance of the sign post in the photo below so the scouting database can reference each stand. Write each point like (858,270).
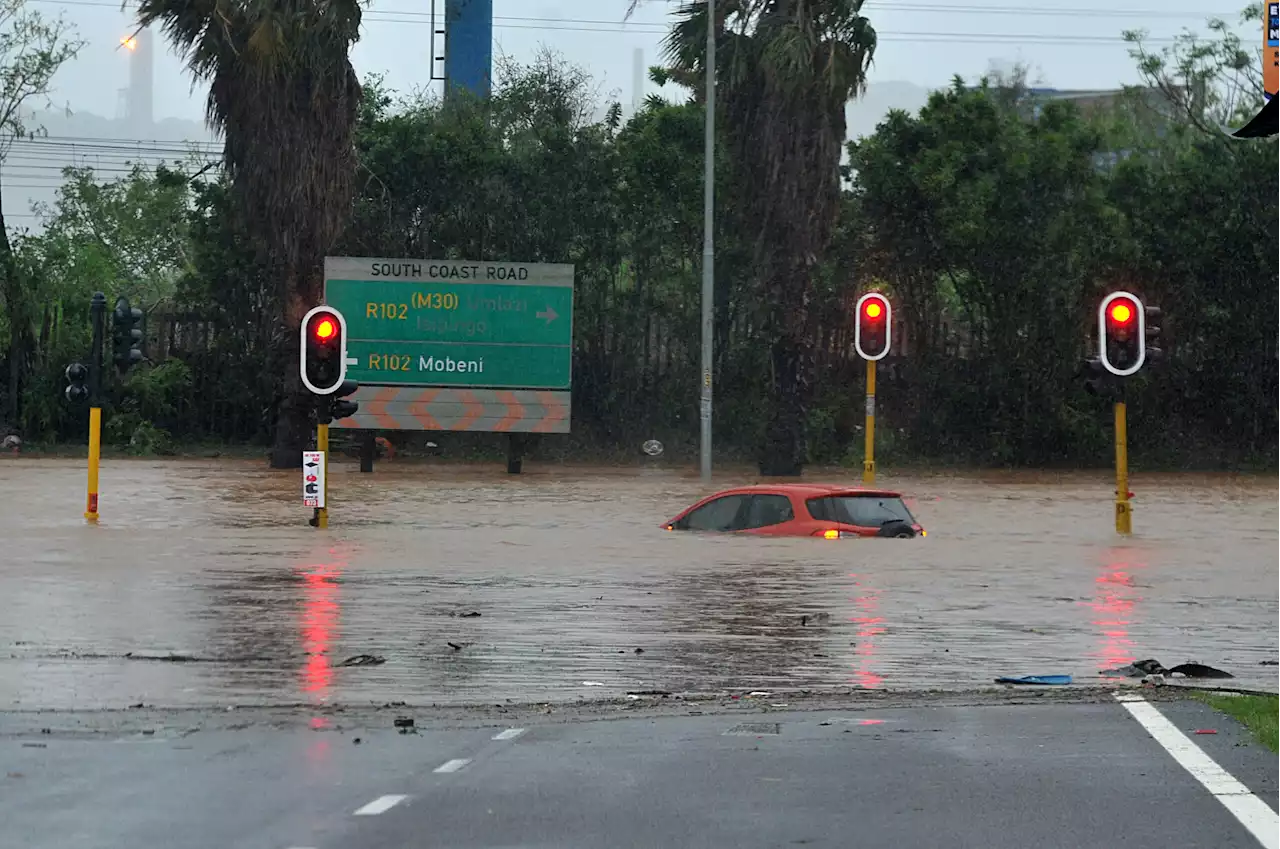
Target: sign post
(315,480)
(456,345)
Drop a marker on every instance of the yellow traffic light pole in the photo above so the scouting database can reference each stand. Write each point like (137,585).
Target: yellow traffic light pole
(95,451)
(322,445)
(1124,513)
(97,312)
(869,449)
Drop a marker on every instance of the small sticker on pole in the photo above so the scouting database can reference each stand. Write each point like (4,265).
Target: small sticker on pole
(313,479)
(871,405)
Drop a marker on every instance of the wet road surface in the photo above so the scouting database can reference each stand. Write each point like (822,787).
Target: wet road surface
(1004,777)
(204,586)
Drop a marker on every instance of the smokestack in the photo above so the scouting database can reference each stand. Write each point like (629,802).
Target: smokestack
(637,81)
(141,49)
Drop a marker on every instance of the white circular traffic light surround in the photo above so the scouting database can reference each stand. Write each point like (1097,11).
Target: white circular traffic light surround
(873,299)
(1140,331)
(342,349)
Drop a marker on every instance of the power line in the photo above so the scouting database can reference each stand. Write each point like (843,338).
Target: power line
(889,5)
(654,28)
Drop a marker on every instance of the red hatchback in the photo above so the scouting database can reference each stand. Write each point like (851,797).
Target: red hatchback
(801,510)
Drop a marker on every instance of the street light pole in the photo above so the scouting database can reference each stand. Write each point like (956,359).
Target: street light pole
(708,242)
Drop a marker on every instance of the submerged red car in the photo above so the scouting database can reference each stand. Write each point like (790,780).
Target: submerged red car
(801,510)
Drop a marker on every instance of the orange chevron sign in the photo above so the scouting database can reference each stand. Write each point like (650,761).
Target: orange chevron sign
(476,410)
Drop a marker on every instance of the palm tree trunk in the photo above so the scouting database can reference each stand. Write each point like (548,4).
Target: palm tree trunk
(785,444)
(19,329)
(293,413)
(788,288)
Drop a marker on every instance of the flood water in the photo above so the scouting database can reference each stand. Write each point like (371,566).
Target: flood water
(580,593)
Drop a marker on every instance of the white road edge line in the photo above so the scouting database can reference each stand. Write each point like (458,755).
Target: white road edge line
(509,734)
(453,765)
(380,805)
(1253,813)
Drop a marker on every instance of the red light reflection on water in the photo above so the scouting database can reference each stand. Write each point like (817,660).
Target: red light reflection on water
(320,613)
(870,624)
(1113,604)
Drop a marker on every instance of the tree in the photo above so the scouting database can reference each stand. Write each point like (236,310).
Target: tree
(32,49)
(991,224)
(284,96)
(789,68)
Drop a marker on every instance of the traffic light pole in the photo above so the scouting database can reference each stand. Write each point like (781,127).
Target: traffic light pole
(322,445)
(869,451)
(97,313)
(1124,514)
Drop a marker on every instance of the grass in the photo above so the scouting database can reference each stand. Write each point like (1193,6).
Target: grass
(1257,713)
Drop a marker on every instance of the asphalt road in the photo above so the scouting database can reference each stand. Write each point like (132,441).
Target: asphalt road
(1053,776)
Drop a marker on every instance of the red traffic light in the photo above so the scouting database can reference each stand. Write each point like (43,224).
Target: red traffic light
(1121,313)
(873,327)
(322,359)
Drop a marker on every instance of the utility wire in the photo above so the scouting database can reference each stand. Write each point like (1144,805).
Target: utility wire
(874,6)
(658,28)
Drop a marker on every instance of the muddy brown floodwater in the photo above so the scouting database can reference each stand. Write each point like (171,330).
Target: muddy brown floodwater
(203,585)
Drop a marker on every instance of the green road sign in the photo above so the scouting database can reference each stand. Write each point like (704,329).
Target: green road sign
(454,323)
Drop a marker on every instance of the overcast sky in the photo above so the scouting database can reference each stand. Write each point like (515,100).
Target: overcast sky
(1071,44)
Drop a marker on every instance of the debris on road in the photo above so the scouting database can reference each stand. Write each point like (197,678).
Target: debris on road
(1269,662)
(648,692)
(593,683)
(1040,680)
(1199,670)
(363,660)
(1151,666)
(469,615)
(166,658)
(403,722)
(1206,731)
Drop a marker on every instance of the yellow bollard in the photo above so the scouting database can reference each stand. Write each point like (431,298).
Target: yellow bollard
(869,451)
(322,444)
(95,449)
(1124,514)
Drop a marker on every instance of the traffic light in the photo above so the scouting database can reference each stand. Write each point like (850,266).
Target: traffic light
(1097,381)
(323,353)
(339,409)
(872,332)
(77,380)
(1122,337)
(1151,331)
(126,335)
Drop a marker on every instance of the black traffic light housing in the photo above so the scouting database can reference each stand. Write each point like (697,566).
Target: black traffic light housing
(78,383)
(1097,380)
(340,409)
(1122,336)
(1152,331)
(126,335)
(872,331)
(323,363)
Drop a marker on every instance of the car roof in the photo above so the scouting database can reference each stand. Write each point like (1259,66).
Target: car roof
(809,490)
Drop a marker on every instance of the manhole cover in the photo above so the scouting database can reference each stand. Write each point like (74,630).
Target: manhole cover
(756,728)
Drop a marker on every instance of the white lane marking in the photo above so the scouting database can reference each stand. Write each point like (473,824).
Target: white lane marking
(1253,813)
(509,734)
(380,805)
(453,765)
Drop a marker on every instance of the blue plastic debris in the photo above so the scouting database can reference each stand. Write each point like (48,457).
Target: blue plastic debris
(1036,679)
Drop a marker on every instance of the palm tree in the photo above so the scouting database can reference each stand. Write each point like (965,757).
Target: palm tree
(284,96)
(784,73)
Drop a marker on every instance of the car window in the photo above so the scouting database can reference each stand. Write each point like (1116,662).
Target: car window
(865,511)
(766,510)
(718,515)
